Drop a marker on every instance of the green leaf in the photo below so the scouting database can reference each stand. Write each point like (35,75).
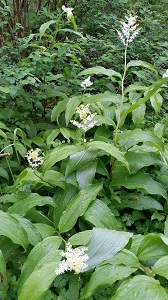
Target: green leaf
(4,173)
(58,109)
(156,102)
(120,266)
(151,247)
(58,154)
(139,160)
(2,265)
(98,70)
(12,228)
(54,178)
(140,287)
(141,181)
(81,159)
(139,202)
(80,238)
(104,244)
(71,106)
(85,176)
(110,149)
(65,132)
(33,235)
(141,63)
(100,215)
(152,90)
(45,230)
(130,138)
(77,206)
(138,114)
(38,270)
(160,267)
(22,206)
(45,26)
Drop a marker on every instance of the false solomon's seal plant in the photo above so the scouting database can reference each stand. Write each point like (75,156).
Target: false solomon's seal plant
(61,221)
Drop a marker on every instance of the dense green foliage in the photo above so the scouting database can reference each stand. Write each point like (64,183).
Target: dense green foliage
(99,183)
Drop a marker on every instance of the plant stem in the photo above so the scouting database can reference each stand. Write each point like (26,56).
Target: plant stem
(122,94)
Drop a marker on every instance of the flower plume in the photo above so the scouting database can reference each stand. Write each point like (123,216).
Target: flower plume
(129,30)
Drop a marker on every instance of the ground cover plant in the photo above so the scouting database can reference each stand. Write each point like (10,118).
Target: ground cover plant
(83,166)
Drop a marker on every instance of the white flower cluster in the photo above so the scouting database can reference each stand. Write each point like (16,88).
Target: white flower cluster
(165,74)
(74,260)
(86,117)
(129,30)
(68,10)
(34,159)
(86,83)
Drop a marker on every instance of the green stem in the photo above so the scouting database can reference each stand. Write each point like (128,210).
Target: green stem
(122,94)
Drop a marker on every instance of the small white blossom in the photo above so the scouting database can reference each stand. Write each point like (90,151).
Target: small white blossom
(165,74)
(86,83)
(74,260)
(129,30)
(68,10)
(34,159)
(86,117)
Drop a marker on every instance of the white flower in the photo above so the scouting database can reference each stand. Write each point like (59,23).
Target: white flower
(86,116)
(74,260)
(33,158)
(165,74)
(68,10)
(86,83)
(129,30)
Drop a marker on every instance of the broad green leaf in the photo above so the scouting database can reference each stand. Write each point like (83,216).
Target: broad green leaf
(13,229)
(58,154)
(61,201)
(166,227)
(54,178)
(38,270)
(80,160)
(72,31)
(58,109)
(139,160)
(22,206)
(74,57)
(156,102)
(98,70)
(160,267)
(120,266)
(130,138)
(71,106)
(100,215)
(3,134)
(138,114)
(65,132)
(77,206)
(139,202)
(86,175)
(80,238)
(152,247)
(110,149)
(152,90)
(28,175)
(52,136)
(140,287)
(4,173)
(104,244)
(2,265)
(141,181)
(33,235)
(134,87)
(45,26)
(45,230)
(140,63)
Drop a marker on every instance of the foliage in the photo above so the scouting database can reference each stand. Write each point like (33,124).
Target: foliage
(83,157)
